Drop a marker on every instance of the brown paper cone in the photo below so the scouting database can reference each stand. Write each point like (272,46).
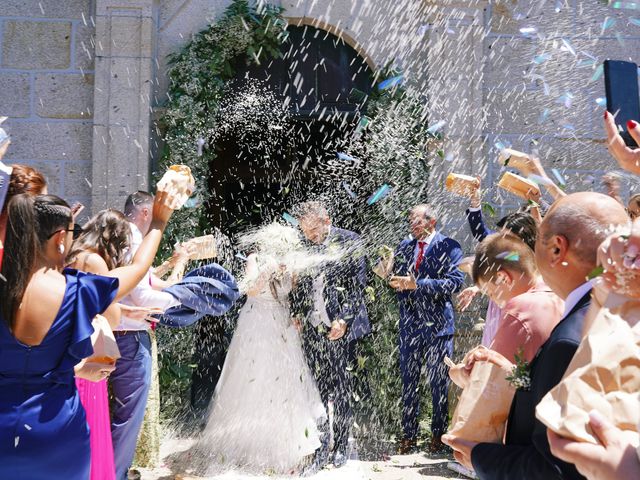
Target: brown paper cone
(461,184)
(515,159)
(484,405)
(518,185)
(178,183)
(205,247)
(105,348)
(604,375)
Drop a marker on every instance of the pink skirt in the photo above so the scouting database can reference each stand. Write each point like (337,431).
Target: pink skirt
(95,400)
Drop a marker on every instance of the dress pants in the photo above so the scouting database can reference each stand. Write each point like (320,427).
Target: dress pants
(417,348)
(130,384)
(328,360)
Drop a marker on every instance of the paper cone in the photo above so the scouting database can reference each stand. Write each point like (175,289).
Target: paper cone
(105,348)
(178,183)
(518,185)
(604,375)
(484,405)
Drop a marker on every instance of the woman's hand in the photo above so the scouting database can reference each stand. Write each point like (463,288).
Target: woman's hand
(162,210)
(94,372)
(619,255)
(628,158)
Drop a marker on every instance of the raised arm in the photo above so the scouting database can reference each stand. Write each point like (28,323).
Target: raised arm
(131,275)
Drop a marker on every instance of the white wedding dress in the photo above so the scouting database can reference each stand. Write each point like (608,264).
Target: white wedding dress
(266,408)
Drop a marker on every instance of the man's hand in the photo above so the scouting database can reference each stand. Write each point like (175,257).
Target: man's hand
(475,195)
(338,329)
(614,459)
(462,449)
(403,283)
(483,354)
(466,297)
(628,158)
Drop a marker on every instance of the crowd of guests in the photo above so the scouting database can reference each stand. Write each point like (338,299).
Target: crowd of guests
(58,281)
(536,269)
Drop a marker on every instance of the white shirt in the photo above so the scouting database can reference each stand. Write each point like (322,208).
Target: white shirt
(427,241)
(319,313)
(143,295)
(574,297)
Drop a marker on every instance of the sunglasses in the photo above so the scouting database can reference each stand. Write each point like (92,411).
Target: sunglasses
(77,231)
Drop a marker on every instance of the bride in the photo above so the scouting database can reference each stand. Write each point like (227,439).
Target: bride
(266,408)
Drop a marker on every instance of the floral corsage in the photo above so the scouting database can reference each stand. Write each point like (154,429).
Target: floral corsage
(520,374)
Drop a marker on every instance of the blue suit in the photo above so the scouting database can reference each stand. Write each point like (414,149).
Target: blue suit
(478,229)
(343,293)
(427,327)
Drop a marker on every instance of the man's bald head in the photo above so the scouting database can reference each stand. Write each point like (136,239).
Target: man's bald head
(570,234)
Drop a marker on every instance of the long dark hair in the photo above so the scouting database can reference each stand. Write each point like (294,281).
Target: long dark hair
(108,234)
(30,223)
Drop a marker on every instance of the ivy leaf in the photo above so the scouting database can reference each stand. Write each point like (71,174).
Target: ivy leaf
(488,209)
(596,272)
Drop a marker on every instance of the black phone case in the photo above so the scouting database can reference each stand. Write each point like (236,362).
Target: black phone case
(623,99)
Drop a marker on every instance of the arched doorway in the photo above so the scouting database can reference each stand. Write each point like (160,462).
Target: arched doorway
(323,83)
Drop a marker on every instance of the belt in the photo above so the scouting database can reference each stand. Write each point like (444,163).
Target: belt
(122,333)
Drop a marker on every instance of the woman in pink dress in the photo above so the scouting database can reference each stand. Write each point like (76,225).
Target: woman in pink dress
(103,248)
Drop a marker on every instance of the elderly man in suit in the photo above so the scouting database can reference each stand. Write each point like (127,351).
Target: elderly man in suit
(426,275)
(566,252)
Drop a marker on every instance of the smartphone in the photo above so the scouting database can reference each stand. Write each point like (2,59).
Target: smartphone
(623,99)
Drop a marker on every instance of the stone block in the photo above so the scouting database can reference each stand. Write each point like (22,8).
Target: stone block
(71,9)
(36,45)
(128,82)
(124,36)
(50,141)
(14,95)
(52,171)
(64,95)
(507,17)
(77,179)
(120,165)
(85,47)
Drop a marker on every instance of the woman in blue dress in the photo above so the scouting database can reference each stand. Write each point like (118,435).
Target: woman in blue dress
(45,330)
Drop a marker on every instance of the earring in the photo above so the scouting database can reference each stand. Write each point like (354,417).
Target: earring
(61,249)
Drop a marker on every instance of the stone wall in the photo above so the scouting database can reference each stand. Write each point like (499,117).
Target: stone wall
(47,87)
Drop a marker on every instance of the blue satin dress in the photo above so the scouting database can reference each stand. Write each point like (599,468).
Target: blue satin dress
(43,428)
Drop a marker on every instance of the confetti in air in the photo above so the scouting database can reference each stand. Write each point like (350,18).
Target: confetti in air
(509,256)
(345,157)
(559,177)
(433,129)
(381,193)
(290,219)
(390,83)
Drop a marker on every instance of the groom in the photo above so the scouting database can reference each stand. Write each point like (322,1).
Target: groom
(330,303)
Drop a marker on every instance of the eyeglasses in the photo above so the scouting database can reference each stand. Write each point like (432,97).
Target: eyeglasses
(77,231)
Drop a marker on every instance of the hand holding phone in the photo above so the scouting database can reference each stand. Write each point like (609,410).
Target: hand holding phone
(623,99)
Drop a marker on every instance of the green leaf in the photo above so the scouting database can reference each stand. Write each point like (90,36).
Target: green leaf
(596,272)
(488,209)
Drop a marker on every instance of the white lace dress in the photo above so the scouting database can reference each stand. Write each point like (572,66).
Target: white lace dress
(265,411)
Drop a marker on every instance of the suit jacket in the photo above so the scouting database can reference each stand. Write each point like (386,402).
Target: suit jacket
(429,306)
(478,228)
(526,454)
(207,290)
(344,284)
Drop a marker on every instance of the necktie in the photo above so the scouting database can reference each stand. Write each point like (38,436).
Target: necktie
(421,248)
